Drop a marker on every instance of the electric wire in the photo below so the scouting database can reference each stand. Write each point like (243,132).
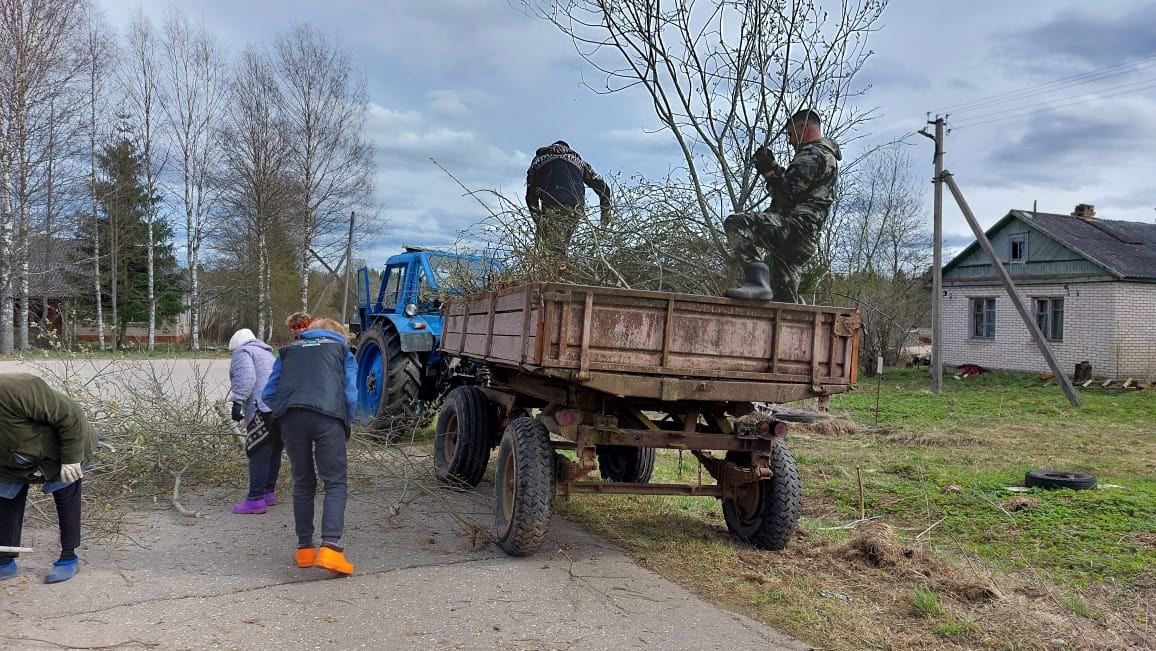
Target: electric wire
(1001,116)
(1083,78)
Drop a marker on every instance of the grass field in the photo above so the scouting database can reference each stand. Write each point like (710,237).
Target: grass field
(942,554)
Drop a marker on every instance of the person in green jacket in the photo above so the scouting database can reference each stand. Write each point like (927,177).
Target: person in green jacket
(44,439)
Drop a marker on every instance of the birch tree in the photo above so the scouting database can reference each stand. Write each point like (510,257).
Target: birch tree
(39,60)
(723,77)
(256,155)
(99,59)
(194,76)
(140,83)
(324,106)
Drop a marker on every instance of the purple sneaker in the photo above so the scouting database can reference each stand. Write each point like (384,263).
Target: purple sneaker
(270,499)
(250,506)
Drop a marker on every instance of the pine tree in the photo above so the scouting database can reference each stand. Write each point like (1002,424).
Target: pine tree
(123,202)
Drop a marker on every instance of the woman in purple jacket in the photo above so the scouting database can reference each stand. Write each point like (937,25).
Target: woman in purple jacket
(249,370)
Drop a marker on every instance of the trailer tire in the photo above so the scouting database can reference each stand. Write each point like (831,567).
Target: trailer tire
(388,381)
(766,512)
(465,428)
(523,487)
(625,463)
(1053,479)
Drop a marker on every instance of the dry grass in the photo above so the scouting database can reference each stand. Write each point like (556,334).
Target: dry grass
(947,558)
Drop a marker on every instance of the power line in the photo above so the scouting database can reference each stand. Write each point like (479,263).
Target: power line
(1001,116)
(1058,84)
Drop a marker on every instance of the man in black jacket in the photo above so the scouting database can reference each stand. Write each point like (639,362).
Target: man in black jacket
(556,195)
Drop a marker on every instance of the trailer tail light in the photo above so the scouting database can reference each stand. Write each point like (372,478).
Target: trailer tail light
(565,417)
(773,428)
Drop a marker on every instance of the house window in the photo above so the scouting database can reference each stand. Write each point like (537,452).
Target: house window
(983,318)
(1019,248)
(1050,317)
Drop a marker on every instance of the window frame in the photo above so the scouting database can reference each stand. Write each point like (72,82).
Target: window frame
(1022,240)
(1045,313)
(982,308)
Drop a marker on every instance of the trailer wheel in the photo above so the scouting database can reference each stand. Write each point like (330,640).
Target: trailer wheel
(462,442)
(523,487)
(765,513)
(387,381)
(625,463)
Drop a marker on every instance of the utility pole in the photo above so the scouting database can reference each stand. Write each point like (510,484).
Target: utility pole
(1008,286)
(348,264)
(937,260)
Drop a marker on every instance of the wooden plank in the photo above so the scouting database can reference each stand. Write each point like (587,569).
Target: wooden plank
(816,342)
(490,322)
(528,293)
(834,341)
(587,321)
(668,332)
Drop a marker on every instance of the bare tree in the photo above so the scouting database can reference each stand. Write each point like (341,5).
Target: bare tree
(140,82)
(192,101)
(723,76)
(39,61)
(324,106)
(881,250)
(881,227)
(256,173)
(100,50)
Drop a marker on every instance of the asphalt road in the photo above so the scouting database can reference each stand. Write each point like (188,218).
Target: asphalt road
(427,576)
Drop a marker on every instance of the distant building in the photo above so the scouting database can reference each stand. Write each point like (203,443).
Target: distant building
(1089,283)
(52,297)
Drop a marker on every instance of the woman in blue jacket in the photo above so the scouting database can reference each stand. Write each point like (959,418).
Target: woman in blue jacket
(312,393)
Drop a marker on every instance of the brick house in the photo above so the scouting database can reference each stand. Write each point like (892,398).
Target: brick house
(52,298)
(1090,283)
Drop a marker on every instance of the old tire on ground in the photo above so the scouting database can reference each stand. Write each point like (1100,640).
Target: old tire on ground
(765,513)
(1052,479)
(387,382)
(462,442)
(523,487)
(624,463)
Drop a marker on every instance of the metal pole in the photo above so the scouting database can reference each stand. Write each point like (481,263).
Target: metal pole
(348,264)
(937,268)
(1004,278)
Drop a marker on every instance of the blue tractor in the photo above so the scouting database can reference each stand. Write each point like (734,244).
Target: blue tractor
(399,328)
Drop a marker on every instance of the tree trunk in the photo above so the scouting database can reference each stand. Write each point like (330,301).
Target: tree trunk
(6,250)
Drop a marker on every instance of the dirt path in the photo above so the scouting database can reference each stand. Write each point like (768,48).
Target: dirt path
(427,576)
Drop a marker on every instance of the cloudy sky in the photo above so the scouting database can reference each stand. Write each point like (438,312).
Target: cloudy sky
(478,85)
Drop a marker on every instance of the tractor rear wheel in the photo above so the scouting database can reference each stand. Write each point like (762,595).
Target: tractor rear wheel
(388,380)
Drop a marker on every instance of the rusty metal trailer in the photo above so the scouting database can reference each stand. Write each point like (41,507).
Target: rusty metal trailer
(611,375)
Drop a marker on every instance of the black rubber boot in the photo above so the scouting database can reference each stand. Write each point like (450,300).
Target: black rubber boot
(756,283)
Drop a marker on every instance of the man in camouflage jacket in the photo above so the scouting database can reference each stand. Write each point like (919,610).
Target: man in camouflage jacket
(801,195)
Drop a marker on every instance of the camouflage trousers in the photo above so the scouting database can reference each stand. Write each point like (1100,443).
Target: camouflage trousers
(789,240)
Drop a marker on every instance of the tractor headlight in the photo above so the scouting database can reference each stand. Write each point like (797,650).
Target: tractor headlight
(410,310)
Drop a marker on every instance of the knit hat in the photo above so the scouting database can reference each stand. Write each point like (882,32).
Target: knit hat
(240,338)
(299,321)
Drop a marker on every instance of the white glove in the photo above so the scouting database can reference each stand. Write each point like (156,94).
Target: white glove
(71,472)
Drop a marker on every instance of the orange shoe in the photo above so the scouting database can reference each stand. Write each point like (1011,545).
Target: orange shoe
(306,557)
(333,560)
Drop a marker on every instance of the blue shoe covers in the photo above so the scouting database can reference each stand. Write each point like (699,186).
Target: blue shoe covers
(62,571)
